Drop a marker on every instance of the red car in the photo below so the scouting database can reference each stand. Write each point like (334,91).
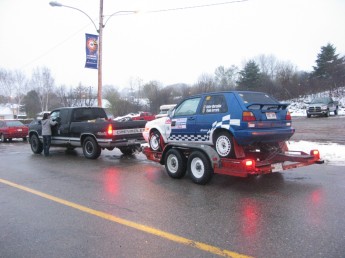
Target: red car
(144,116)
(10,129)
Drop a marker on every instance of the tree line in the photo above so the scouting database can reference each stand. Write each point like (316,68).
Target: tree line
(280,79)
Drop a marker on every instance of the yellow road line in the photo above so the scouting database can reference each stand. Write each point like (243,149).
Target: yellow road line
(141,227)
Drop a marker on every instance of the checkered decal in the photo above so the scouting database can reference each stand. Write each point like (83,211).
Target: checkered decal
(225,123)
(189,138)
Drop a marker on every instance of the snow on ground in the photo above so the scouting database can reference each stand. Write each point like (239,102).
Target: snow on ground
(331,153)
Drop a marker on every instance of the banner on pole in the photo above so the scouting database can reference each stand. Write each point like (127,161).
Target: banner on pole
(91,51)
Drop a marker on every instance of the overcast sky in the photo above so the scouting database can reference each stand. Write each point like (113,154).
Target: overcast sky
(170,47)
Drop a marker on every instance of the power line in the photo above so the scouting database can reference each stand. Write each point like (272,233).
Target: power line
(196,6)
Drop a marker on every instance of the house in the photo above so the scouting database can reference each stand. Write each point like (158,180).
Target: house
(6,113)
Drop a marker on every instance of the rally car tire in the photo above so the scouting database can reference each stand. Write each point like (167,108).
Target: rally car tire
(155,141)
(91,149)
(224,145)
(199,168)
(175,163)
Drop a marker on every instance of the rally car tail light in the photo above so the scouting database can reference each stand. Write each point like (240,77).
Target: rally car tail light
(248,116)
(288,116)
(110,130)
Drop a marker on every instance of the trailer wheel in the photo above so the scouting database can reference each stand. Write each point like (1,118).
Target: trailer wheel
(224,145)
(199,168)
(155,141)
(175,163)
(91,149)
(130,150)
(36,145)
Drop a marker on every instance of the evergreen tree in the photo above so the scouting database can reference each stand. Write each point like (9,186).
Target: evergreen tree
(250,77)
(326,62)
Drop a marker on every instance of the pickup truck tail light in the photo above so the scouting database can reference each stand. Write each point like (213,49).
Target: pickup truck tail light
(110,130)
(248,116)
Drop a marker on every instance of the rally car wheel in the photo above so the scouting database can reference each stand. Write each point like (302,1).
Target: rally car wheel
(224,145)
(36,145)
(155,141)
(175,163)
(91,149)
(199,168)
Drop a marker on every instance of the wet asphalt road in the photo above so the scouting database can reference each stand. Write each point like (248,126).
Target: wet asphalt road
(120,206)
(319,129)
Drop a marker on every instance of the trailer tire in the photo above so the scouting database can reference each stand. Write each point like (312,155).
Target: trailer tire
(35,144)
(91,149)
(224,145)
(199,168)
(130,150)
(175,163)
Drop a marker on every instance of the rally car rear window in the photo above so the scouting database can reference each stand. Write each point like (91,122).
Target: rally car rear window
(257,97)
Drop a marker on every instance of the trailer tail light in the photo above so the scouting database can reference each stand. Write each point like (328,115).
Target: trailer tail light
(248,164)
(315,154)
(248,116)
(288,116)
(110,130)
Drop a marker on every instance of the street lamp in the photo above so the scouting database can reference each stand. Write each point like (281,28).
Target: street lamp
(100,39)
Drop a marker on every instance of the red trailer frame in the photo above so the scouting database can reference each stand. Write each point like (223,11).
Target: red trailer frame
(241,167)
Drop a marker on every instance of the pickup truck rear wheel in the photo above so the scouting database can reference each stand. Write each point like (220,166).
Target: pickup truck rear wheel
(199,167)
(175,163)
(91,149)
(224,145)
(36,145)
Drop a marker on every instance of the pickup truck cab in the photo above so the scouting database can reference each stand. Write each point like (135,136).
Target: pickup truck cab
(89,128)
(253,120)
(322,107)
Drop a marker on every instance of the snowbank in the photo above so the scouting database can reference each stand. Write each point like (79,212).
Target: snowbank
(331,153)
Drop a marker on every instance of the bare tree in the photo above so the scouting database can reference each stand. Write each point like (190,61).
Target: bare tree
(205,83)
(43,83)
(226,78)
(268,65)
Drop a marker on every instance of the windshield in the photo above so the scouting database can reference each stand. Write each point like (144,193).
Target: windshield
(319,100)
(14,123)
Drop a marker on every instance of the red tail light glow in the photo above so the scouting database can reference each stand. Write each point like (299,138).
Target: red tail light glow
(288,116)
(249,164)
(110,130)
(315,153)
(248,116)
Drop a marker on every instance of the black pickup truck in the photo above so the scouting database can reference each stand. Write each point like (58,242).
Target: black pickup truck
(89,128)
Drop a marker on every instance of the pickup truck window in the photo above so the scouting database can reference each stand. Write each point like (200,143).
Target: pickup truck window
(86,114)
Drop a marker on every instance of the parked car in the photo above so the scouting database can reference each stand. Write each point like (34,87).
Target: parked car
(10,129)
(164,109)
(147,116)
(322,106)
(254,120)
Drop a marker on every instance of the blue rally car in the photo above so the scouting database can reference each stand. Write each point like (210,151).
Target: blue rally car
(253,120)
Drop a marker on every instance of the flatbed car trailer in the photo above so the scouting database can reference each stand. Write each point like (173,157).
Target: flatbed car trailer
(202,161)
